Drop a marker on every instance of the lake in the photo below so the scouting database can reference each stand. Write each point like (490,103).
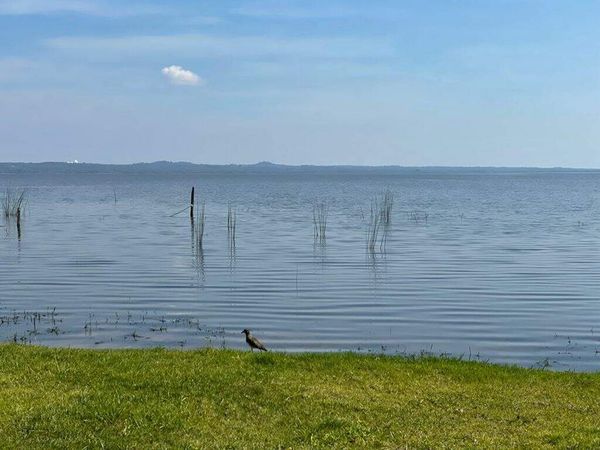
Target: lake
(501,265)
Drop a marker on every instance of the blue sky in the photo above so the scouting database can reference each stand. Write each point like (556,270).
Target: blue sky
(494,83)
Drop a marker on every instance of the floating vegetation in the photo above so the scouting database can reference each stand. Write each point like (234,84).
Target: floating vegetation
(32,317)
(135,336)
(320,211)
(31,323)
(26,326)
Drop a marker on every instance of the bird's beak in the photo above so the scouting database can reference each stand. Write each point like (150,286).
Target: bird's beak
(242,332)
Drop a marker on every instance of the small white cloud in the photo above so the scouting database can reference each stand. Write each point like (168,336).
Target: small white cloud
(179,75)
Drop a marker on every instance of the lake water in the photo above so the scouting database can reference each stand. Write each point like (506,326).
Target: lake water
(499,265)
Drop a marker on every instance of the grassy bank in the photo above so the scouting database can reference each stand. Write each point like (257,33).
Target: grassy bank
(218,398)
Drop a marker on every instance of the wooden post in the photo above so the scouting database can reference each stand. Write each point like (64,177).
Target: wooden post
(19,223)
(192,204)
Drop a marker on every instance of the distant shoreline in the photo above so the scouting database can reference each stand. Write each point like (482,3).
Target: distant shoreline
(264,167)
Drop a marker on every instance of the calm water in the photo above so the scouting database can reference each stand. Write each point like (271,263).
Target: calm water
(497,265)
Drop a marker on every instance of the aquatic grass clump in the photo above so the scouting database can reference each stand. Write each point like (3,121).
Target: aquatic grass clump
(386,207)
(380,221)
(231,225)
(373,226)
(320,211)
(199,227)
(13,202)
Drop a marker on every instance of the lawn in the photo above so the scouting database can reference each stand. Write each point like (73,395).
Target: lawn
(65,398)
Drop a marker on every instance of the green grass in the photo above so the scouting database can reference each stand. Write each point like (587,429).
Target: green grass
(62,398)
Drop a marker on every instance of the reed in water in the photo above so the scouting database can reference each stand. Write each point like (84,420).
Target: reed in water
(380,221)
(320,211)
(13,202)
(231,225)
(199,226)
(386,207)
(373,226)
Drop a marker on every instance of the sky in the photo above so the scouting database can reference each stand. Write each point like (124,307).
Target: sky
(378,82)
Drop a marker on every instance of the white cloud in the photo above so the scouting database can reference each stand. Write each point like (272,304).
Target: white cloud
(179,75)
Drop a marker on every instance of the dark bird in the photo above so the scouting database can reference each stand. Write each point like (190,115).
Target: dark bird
(253,342)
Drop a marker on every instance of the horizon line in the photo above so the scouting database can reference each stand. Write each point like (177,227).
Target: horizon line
(283,165)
